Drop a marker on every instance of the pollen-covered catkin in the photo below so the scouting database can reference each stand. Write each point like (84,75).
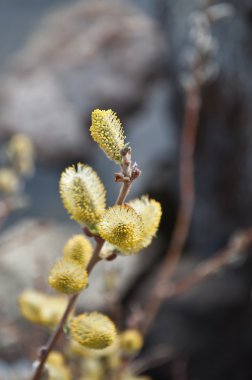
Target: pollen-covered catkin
(83,194)
(68,277)
(151,212)
(122,226)
(131,341)
(42,308)
(78,249)
(9,182)
(93,330)
(107,131)
(20,152)
(56,367)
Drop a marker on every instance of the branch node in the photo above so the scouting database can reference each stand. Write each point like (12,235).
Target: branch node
(42,351)
(87,232)
(112,257)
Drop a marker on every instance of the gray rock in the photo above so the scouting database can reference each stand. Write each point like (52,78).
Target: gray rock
(20,370)
(83,56)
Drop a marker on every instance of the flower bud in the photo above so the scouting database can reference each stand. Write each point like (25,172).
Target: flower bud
(77,349)
(83,194)
(20,151)
(122,227)
(55,358)
(150,211)
(107,131)
(67,277)
(93,330)
(78,249)
(41,308)
(131,341)
(9,182)
(56,367)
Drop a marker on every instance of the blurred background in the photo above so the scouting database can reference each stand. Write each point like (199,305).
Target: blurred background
(61,59)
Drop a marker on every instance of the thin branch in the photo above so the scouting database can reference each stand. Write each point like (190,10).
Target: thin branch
(160,356)
(123,192)
(72,300)
(238,246)
(187,198)
(128,174)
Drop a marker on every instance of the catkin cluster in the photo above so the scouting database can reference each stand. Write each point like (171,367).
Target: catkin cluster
(123,229)
(68,275)
(129,229)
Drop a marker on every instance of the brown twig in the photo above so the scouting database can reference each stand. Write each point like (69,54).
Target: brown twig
(158,357)
(123,193)
(72,300)
(187,196)
(128,174)
(239,244)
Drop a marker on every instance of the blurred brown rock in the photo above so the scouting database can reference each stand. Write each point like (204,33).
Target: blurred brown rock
(82,56)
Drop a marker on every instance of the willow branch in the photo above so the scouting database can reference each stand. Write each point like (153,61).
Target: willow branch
(187,198)
(123,193)
(238,246)
(126,184)
(128,174)
(72,300)
(158,357)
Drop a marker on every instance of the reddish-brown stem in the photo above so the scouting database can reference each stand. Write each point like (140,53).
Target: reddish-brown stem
(124,191)
(72,300)
(128,174)
(212,265)
(160,356)
(187,196)
(46,350)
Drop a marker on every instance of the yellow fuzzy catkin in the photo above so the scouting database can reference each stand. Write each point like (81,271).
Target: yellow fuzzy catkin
(20,145)
(41,308)
(68,277)
(20,151)
(122,226)
(131,341)
(93,330)
(78,249)
(55,358)
(9,182)
(107,131)
(83,194)
(77,349)
(93,369)
(151,212)
(56,367)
